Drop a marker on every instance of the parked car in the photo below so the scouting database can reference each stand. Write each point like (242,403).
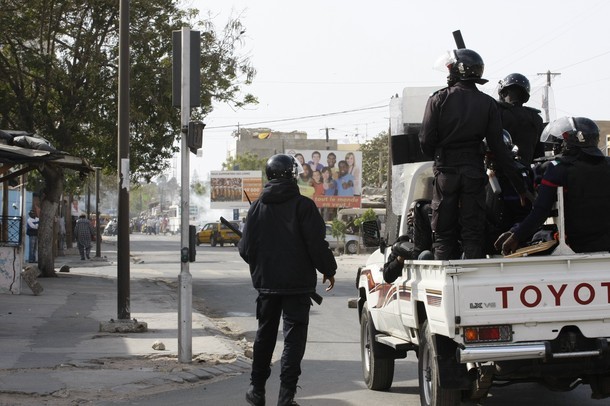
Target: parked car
(351,241)
(217,233)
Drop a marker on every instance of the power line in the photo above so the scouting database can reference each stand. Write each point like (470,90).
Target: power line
(299,118)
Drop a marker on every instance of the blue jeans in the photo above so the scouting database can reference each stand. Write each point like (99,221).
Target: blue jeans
(33,248)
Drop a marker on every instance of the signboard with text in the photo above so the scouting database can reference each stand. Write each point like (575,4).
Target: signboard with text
(330,178)
(232,189)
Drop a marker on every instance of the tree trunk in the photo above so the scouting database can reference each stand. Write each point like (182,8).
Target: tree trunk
(54,184)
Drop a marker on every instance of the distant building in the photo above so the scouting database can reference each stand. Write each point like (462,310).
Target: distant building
(265,142)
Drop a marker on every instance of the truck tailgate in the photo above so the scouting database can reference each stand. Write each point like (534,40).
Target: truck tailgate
(530,293)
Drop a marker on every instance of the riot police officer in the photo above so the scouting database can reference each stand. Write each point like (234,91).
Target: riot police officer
(522,122)
(456,120)
(284,243)
(584,172)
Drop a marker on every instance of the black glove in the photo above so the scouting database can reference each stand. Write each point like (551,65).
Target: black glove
(507,242)
(402,249)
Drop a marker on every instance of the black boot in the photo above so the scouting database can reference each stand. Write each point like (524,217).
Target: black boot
(255,396)
(286,397)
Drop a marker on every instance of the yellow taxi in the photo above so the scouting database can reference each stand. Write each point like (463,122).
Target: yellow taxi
(217,234)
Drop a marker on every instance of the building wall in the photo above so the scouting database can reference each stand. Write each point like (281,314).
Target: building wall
(264,142)
(604,139)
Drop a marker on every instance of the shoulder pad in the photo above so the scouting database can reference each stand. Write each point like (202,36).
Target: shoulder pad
(438,91)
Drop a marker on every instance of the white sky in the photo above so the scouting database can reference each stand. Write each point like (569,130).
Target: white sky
(318,57)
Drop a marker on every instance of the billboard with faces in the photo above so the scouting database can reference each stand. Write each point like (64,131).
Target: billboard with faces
(331,178)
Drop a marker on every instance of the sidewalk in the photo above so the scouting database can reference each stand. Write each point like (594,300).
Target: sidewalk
(52,353)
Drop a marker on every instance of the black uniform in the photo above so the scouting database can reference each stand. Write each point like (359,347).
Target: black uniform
(525,126)
(456,121)
(586,182)
(283,242)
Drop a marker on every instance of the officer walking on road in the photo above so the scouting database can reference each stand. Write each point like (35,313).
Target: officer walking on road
(523,123)
(584,172)
(283,243)
(456,120)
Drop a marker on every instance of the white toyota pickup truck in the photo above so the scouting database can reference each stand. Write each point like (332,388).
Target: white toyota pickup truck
(476,323)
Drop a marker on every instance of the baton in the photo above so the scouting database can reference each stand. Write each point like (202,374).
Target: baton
(459,41)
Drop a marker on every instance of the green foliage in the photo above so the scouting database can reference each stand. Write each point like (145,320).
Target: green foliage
(59,76)
(198,188)
(338,229)
(375,160)
(368,215)
(246,162)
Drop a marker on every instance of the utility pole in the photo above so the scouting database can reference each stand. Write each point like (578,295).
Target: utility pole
(327,137)
(545,102)
(123,272)
(123,324)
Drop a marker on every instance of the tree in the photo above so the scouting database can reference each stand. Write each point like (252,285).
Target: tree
(245,162)
(368,215)
(375,161)
(58,78)
(337,230)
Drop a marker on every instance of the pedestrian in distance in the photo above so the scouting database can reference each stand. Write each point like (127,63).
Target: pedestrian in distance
(84,236)
(284,244)
(456,121)
(32,233)
(584,173)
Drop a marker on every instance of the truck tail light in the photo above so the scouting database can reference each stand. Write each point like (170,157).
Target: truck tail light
(488,334)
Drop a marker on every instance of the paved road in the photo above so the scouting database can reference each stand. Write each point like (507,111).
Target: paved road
(331,367)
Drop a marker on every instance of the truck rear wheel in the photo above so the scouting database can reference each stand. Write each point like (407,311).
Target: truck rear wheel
(378,370)
(430,391)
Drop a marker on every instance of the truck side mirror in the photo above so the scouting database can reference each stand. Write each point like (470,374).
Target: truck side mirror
(371,236)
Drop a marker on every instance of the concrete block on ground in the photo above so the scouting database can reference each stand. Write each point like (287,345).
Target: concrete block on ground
(30,276)
(123,326)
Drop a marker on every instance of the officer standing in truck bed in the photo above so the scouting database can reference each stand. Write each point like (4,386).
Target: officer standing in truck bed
(456,120)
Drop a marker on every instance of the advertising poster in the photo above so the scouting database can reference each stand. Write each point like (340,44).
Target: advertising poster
(331,178)
(231,189)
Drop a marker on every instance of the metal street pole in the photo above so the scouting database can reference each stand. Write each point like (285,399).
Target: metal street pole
(98,234)
(124,312)
(185,279)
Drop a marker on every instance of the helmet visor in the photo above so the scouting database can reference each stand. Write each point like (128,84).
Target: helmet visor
(299,167)
(444,61)
(555,130)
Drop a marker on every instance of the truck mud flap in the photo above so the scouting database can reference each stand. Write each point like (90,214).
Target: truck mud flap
(452,374)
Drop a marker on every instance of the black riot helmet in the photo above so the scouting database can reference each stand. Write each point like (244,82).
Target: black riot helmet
(518,82)
(574,132)
(465,64)
(282,166)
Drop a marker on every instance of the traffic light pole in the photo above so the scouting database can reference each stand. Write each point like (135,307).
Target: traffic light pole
(185,279)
